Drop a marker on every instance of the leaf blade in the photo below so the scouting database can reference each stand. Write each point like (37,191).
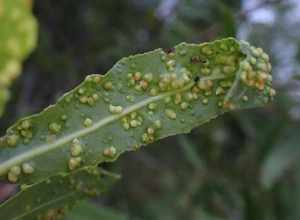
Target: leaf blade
(143,98)
(54,197)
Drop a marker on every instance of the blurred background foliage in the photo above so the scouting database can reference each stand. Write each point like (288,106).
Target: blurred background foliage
(18,30)
(242,166)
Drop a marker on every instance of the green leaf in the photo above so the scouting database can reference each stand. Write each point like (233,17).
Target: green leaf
(18,30)
(190,153)
(87,210)
(54,197)
(284,156)
(143,98)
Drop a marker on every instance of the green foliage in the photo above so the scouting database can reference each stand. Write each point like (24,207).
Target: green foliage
(18,31)
(52,198)
(143,98)
(87,210)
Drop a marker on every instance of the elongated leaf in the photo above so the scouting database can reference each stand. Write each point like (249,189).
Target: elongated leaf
(143,98)
(53,198)
(17,39)
(284,155)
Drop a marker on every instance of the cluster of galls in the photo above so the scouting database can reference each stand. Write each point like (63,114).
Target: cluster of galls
(75,151)
(15,171)
(171,81)
(149,135)
(139,81)
(155,85)
(133,120)
(23,130)
(255,71)
(86,97)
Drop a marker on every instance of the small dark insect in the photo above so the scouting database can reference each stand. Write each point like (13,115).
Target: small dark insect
(169,50)
(196,60)
(196,79)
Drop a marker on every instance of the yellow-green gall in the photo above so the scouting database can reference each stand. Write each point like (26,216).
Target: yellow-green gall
(205,71)
(108,86)
(12,140)
(205,101)
(110,151)
(15,170)
(153,91)
(12,178)
(130,98)
(150,131)
(205,84)
(25,124)
(272,92)
(137,76)
(74,163)
(189,96)
(115,109)
(220,91)
(178,98)
(64,117)
(88,122)
(207,50)
(152,106)
(228,69)
(27,168)
(148,77)
(126,125)
(157,124)
(134,123)
(167,99)
(170,113)
(171,63)
(76,148)
(95,96)
(245,98)
(81,91)
(184,105)
(55,127)
(143,84)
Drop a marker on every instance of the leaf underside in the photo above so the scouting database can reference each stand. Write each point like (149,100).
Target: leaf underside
(143,98)
(18,30)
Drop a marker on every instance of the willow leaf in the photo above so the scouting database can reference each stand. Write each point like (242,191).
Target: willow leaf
(17,39)
(143,98)
(53,198)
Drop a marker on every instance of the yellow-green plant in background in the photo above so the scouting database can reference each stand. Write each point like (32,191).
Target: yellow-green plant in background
(18,31)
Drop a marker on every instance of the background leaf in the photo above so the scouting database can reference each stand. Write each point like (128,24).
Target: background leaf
(18,30)
(54,197)
(89,211)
